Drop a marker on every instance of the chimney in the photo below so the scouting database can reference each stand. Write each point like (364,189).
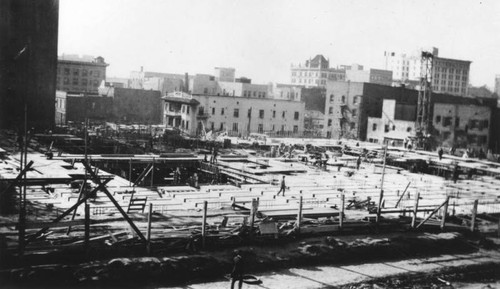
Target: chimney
(186,82)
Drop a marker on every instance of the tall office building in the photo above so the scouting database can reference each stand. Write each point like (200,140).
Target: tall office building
(28,62)
(449,76)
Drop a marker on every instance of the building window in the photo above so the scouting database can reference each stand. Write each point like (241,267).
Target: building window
(274,113)
(330,110)
(212,125)
(84,81)
(236,112)
(329,123)
(295,129)
(187,110)
(296,115)
(66,71)
(386,128)
(97,73)
(75,81)
(438,118)
(355,100)
(255,93)
(261,113)
(76,72)
(408,129)
(260,128)
(235,127)
(374,127)
(221,126)
(446,121)
(343,99)
(331,97)
(393,127)
(205,90)
(66,80)
(213,110)
(84,72)
(264,95)
(354,112)
(222,111)
(283,114)
(201,110)
(187,124)
(457,121)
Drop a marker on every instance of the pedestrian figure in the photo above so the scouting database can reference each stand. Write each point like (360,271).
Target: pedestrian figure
(455,174)
(177,176)
(282,187)
(358,163)
(215,154)
(440,153)
(237,273)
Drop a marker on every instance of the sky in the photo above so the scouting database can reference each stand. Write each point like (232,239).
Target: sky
(262,38)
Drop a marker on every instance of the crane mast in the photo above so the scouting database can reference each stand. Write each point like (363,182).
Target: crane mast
(424,118)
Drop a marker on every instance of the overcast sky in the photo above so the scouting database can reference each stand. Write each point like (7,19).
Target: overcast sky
(262,38)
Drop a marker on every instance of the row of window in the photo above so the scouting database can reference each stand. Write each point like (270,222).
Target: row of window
(260,127)
(464,72)
(236,113)
(471,124)
(76,81)
(259,94)
(77,72)
(355,99)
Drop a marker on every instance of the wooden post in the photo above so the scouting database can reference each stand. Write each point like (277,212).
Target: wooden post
(253,211)
(473,218)
(445,211)
(204,224)
(299,215)
(152,172)
(379,208)
(148,234)
(415,210)
(130,172)
(342,205)
(87,228)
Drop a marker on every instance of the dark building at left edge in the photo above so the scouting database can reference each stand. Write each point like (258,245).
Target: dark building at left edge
(28,62)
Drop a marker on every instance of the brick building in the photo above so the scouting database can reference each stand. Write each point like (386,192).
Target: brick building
(239,116)
(80,74)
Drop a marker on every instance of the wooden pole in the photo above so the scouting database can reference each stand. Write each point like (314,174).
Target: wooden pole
(253,211)
(379,208)
(445,212)
(152,172)
(415,210)
(342,205)
(401,197)
(148,234)
(432,213)
(299,215)
(130,172)
(473,218)
(204,224)
(87,228)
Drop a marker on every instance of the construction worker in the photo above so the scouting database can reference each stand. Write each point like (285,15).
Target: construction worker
(282,187)
(237,272)
(358,163)
(440,153)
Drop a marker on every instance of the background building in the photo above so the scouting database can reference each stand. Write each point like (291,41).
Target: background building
(381,113)
(315,72)
(28,62)
(497,85)
(370,76)
(449,76)
(239,116)
(75,107)
(80,74)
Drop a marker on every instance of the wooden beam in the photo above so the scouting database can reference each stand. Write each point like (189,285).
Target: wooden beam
(299,215)
(415,210)
(474,214)
(401,197)
(18,177)
(204,224)
(433,212)
(342,205)
(445,212)
(110,197)
(87,228)
(148,235)
(68,211)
